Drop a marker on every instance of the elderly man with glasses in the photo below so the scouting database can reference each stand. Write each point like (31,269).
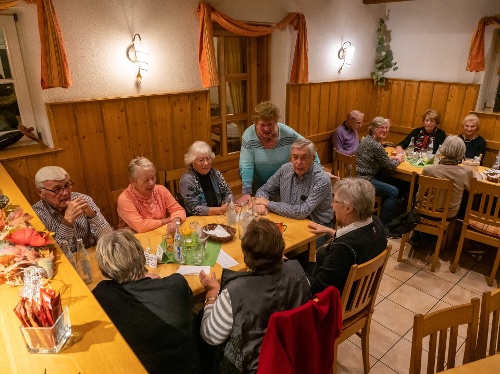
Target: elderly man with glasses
(70,215)
(304,188)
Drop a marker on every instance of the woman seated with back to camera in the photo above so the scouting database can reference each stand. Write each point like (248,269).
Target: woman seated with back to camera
(145,205)
(153,314)
(360,238)
(203,190)
(238,316)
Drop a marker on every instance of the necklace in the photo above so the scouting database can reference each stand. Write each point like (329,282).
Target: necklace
(267,139)
(469,140)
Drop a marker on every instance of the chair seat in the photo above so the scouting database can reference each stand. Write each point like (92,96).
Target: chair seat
(351,321)
(485,228)
(430,222)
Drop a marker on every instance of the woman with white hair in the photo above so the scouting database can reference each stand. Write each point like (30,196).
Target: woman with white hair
(452,153)
(203,190)
(144,205)
(475,145)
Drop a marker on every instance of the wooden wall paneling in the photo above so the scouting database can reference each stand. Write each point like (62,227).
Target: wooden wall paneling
(352,101)
(33,164)
(424,101)
(452,116)
(371,109)
(410,103)
(92,146)
(18,170)
(314,113)
(383,100)
(138,127)
(342,107)
(470,100)
(292,108)
(183,133)
(117,144)
(439,101)
(334,114)
(489,127)
(200,116)
(396,101)
(304,110)
(66,137)
(364,95)
(325,121)
(161,128)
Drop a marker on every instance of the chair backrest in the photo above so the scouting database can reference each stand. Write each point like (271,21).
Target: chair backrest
(490,307)
(112,199)
(344,166)
(487,212)
(233,180)
(172,178)
(361,287)
(438,325)
(433,196)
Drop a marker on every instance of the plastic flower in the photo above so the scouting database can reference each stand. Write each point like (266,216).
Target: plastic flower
(28,236)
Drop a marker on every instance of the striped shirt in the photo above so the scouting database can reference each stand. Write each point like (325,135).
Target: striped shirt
(217,321)
(309,196)
(85,228)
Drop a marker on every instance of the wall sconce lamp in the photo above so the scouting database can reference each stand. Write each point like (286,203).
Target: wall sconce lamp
(141,55)
(346,54)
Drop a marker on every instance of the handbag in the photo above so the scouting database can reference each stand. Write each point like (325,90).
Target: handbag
(404,223)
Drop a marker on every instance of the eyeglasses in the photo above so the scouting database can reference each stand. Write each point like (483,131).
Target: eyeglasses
(60,190)
(296,158)
(201,160)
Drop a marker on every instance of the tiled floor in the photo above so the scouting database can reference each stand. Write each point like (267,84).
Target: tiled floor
(408,288)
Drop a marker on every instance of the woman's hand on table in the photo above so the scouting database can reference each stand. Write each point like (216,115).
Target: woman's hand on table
(399,150)
(316,228)
(261,210)
(210,283)
(244,199)
(152,275)
(171,225)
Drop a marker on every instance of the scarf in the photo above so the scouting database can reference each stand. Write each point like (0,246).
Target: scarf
(147,207)
(423,139)
(448,161)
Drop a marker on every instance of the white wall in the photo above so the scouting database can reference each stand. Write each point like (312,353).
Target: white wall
(430,40)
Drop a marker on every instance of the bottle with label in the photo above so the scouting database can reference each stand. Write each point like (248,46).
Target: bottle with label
(84,268)
(178,244)
(231,213)
(430,150)
(68,253)
(410,148)
(437,156)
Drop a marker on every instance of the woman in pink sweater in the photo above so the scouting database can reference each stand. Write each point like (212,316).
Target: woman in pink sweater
(144,205)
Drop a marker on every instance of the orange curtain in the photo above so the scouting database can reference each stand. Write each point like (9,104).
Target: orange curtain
(476,53)
(206,52)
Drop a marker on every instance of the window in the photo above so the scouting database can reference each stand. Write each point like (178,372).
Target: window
(15,103)
(243,77)
(489,98)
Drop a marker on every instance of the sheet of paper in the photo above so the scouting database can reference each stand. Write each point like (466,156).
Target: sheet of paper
(151,260)
(225,260)
(193,270)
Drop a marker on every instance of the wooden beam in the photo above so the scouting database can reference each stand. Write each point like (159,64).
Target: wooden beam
(366,2)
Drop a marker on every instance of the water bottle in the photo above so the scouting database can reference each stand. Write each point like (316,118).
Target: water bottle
(178,243)
(411,148)
(84,268)
(68,253)
(231,213)
(430,150)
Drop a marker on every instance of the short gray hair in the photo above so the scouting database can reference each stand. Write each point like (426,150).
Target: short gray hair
(120,256)
(139,162)
(357,192)
(453,148)
(355,114)
(303,142)
(50,173)
(377,122)
(471,118)
(196,150)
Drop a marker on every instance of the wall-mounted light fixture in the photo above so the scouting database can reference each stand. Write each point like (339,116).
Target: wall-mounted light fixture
(346,54)
(141,55)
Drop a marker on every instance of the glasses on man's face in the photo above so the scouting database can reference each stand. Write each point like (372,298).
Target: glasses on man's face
(296,158)
(201,160)
(60,190)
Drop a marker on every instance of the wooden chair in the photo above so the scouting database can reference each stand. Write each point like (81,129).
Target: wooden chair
(172,178)
(358,301)
(112,199)
(481,223)
(436,325)
(432,202)
(490,305)
(233,180)
(344,166)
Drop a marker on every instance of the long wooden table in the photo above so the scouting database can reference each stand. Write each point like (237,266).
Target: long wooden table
(488,365)
(95,345)
(297,239)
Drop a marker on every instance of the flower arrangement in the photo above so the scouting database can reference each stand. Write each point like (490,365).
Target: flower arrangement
(21,245)
(384,61)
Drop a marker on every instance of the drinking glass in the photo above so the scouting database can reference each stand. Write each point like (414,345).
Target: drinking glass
(198,254)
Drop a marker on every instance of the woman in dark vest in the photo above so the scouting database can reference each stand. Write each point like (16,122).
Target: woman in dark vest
(238,315)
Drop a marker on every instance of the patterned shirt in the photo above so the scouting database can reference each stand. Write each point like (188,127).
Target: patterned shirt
(309,196)
(88,229)
(371,156)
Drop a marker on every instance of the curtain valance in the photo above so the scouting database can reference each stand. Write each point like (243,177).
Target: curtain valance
(55,68)
(206,50)
(475,61)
